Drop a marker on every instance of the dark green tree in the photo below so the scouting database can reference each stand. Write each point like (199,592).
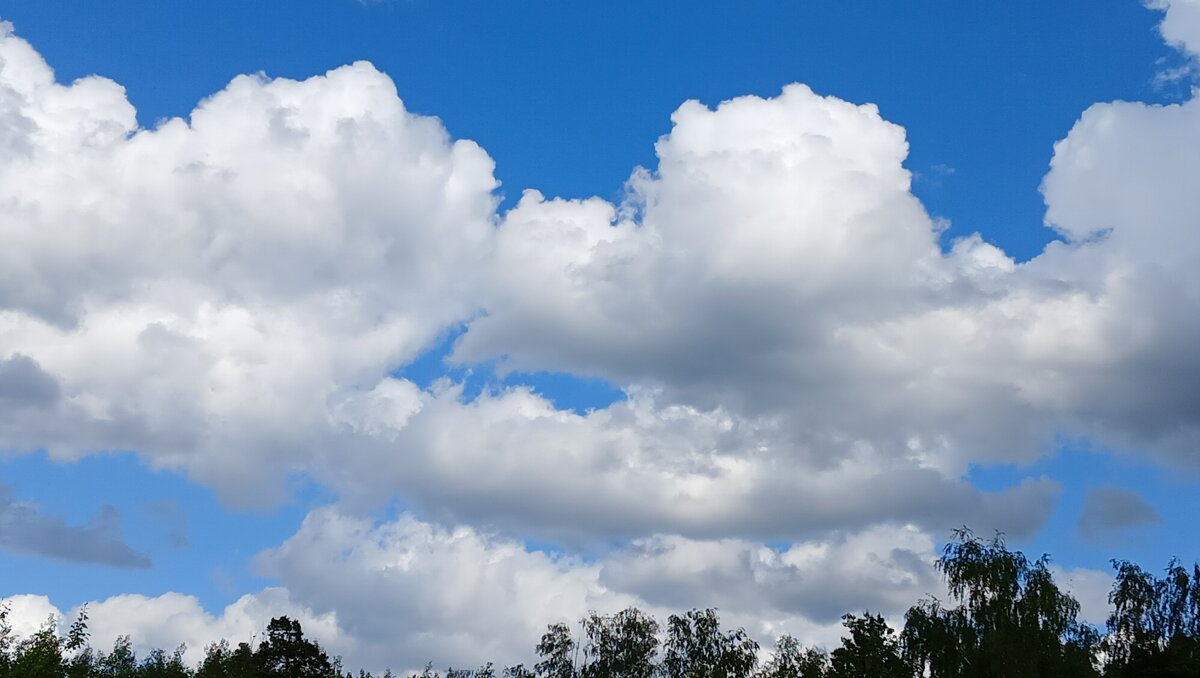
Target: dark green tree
(620,645)
(556,652)
(1154,628)
(1010,621)
(789,660)
(871,650)
(121,662)
(159,664)
(696,647)
(40,655)
(286,653)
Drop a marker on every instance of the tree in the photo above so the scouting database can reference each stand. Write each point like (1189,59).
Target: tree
(286,653)
(1011,619)
(790,661)
(557,652)
(1154,628)
(621,645)
(121,662)
(872,649)
(697,648)
(40,655)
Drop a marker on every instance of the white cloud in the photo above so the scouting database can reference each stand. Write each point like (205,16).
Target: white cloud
(404,592)
(513,461)
(228,295)
(1090,588)
(203,290)
(1181,23)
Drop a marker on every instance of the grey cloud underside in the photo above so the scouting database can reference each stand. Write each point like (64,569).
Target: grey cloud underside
(1110,510)
(24,529)
(23,384)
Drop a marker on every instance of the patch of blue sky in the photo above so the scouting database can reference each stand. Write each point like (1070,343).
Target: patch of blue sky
(565,391)
(1081,468)
(214,564)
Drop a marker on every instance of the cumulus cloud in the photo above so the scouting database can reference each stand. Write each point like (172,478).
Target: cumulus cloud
(883,569)
(403,592)
(25,529)
(513,461)
(227,295)
(23,384)
(1111,509)
(201,291)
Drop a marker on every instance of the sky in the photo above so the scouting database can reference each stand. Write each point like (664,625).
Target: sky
(432,322)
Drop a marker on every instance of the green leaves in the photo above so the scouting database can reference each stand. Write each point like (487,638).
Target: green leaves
(1011,618)
(1154,628)
(696,647)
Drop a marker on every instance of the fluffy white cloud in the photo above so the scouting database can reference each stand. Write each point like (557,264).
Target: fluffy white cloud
(404,592)
(228,295)
(201,291)
(513,461)
(882,569)
(1181,23)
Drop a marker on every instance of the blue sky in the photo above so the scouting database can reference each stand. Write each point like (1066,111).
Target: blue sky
(241,451)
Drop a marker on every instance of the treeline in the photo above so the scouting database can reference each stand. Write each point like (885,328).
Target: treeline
(1005,618)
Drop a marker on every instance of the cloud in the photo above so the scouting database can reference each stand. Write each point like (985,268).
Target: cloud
(1180,26)
(1112,509)
(883,569)
(403,592)
(1090,588)
(23,384)
(801,355)
(513,461)
(201,291)
(228,296)
(23,529)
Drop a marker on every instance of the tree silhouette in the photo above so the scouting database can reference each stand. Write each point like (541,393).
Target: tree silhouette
(1154,628)
(1011,619)
(620,645)
(286,653)
(791,661)
(871,649)
(697,648)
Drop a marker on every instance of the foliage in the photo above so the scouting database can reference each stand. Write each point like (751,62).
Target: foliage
(1154,628)
(1011,618)
(871,649)
(697,648)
